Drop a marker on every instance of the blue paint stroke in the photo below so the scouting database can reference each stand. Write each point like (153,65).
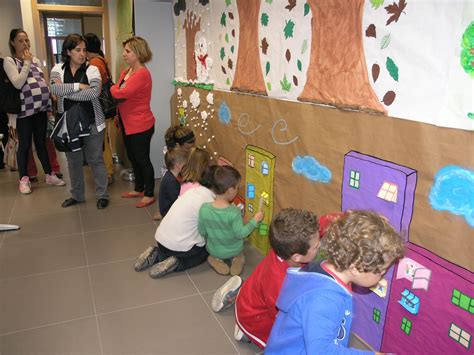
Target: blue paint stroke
(224,113)
(311,169)
(453,191)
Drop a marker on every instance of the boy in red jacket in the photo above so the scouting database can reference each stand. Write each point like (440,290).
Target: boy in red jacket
(294,238)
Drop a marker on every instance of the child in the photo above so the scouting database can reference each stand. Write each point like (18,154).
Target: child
(179,244)
(315,302)
(178,136)
(294,239)
(221,223)
(175,158)
(197,163)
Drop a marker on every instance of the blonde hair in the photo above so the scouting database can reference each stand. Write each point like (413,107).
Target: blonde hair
(140,47)
(364,240)
(197,163)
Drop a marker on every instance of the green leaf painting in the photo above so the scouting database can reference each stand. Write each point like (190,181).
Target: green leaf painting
(306,8)
(385,41)
(232,48)
(269,1)
(304,46)
(285,84)
(269,86)
(470,115)
(222,53)
(267,68)
(226,37)
(227,81)
(299,65)
(392,68)
(264,19)
(288,30)
(223,19)
(376,3)
(228,2)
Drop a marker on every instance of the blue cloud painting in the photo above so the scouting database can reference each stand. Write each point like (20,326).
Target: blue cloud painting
(453,191)
(224,113)
(311,169)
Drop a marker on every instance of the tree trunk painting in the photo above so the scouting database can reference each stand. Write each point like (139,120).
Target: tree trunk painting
(337,73)
(192,25)
(248,72)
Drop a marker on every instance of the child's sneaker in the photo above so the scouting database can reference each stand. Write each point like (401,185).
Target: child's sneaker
(237,264)
(240,336)
(146,259)
(225,296)
(54,180)
(218,265)
(25,186)
(164,267)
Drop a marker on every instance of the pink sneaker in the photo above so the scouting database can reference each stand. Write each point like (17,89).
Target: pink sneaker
(54,180)
(25,186)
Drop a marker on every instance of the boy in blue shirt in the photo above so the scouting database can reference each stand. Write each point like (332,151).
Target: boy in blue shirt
(315,302)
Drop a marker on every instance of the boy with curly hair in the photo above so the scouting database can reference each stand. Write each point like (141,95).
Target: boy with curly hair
(315,302)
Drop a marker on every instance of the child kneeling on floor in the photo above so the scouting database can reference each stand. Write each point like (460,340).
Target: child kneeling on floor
(315,302)
(179,246)
(294,240)
(220,222)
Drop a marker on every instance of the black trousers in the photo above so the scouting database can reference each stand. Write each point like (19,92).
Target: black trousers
(187,259)
(138,151)
(4,131)
(26,128)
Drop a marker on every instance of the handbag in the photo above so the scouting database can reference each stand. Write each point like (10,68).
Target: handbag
(9,95)
(9,158)
(70,128)
(107,101)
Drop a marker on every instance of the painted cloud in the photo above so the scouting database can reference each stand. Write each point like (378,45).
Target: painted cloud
(311,169)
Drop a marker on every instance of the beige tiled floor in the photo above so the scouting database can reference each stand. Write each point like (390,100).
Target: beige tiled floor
(67,284)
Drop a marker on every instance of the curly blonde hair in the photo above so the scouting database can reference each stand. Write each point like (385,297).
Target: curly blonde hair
(364,240)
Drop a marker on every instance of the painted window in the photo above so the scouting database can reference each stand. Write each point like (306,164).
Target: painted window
(421,279)
(251,160)
(460,336)
(463,301)
(354,180)
(388,192)
(406,326)
(250,208)
(263,229)
(265,168)
(265,198)
(376,315)
(410,301)
(250,190)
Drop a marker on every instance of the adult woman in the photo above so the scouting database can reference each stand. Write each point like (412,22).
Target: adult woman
(133,90)
(96,58)
(75,82)
(25,73)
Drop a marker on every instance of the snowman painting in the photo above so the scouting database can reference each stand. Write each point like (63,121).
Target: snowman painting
(203,61)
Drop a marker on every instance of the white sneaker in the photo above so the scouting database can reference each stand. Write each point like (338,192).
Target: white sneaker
(225,296)
(25,186)
(54,180)
(240,336)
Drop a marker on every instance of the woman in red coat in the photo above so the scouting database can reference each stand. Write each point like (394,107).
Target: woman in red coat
(133,91)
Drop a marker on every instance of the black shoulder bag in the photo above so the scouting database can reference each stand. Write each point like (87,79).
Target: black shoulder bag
(108,103)
(9,95)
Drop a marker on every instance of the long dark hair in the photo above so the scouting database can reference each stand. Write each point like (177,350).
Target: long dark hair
(93,44)
(13,33)
(70,43)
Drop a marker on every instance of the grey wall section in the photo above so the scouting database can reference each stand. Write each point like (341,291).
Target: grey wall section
(10,11)
(154,22)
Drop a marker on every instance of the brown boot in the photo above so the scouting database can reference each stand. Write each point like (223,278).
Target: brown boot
(218,265)
(237,265)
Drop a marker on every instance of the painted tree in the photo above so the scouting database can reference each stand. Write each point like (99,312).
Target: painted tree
(248,73)
(192,24)
(337,72)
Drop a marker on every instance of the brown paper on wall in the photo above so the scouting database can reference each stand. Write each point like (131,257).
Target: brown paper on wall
(328,134)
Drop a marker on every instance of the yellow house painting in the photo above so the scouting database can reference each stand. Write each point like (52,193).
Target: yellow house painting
(259,174)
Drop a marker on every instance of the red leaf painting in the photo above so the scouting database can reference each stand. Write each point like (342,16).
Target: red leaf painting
(395,10)
(388,98)
(223,69)
(375,72)
(230,64)
(295,80)
(288,55)
(291,5)
(371,31)
(264,45)
(231,15)
(233,33)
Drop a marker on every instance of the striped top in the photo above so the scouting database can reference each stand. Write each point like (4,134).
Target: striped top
(71,91)
(224,230)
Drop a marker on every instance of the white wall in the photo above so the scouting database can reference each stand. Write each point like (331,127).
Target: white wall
(10,18)
(154,22)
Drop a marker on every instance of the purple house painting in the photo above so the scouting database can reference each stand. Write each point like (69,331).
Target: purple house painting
(374,184)
(430,306)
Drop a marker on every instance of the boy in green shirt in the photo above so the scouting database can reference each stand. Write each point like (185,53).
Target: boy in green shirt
(220,222)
